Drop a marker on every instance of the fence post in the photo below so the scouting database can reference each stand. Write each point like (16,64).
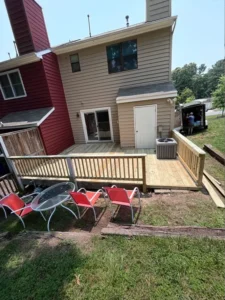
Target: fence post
(200,169)
(144,173)
(71,171)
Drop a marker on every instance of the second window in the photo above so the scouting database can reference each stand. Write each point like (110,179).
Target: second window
(122,56)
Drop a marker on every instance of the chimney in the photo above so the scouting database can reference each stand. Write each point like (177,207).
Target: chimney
(157,9)
(28,25)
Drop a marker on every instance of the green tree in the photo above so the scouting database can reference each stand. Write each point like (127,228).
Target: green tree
(201,69)
(219,95)
(186,96)
(182,77)
(200,86)
(196,78)
(214,75)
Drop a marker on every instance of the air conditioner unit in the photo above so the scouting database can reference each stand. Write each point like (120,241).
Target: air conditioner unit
(166,148)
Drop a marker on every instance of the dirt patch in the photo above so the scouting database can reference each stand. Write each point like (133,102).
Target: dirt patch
(52,239)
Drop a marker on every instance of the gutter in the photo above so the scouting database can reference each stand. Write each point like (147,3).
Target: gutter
(145,97)
(174,26)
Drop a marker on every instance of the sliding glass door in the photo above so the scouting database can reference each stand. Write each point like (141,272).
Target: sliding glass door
(97,125)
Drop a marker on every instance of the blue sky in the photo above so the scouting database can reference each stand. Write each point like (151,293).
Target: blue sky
(198,37)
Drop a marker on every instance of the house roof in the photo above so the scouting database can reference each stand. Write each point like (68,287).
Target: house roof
(22,60)
(111,36)
(146,92)
(25,118)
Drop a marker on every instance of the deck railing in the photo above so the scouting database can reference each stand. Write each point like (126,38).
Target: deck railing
(129,168)
(191,156)
(7,185)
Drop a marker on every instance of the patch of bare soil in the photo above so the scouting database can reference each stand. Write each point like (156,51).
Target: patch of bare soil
(51,239)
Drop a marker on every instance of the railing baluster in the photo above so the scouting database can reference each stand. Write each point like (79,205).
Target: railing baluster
(191,156)
(117,167)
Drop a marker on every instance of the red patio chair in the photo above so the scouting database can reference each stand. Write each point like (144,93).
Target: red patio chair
(17,206)
(86,199)
(120,196)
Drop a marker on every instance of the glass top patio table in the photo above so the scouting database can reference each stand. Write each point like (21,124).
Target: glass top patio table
(52,197)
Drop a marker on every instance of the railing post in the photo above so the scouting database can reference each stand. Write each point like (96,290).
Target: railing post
(71,171)
(144,173)
(200,169)
(13,169)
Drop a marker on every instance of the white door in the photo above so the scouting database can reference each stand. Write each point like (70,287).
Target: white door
(145,126)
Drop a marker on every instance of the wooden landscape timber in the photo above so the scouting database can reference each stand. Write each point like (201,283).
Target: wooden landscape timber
(164,231)
(215,153)
(215,183)
(215,195)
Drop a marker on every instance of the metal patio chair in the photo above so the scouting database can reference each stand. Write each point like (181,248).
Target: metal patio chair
(121,196)
(86,199)
(17,206)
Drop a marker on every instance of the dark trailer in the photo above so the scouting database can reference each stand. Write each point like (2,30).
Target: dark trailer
(198,110)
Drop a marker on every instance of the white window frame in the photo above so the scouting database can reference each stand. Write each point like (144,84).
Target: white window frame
(93,110)
(15,97)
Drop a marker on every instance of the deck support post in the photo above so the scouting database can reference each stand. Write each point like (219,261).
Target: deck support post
(144,173)
(14,171)
(200,169)
(71,171)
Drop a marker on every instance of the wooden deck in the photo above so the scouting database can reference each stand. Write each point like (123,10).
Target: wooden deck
(169,174)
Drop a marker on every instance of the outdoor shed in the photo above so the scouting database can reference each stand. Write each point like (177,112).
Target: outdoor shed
(145,113)
(21,133)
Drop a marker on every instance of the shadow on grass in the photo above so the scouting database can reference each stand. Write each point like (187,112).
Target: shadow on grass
(62,220)
(122,215)
(29,270)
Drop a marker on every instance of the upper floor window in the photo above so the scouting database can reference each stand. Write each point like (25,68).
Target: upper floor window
(75,62)
(12,85)
(122,56)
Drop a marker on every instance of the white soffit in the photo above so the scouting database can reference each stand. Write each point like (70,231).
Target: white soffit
(114,35)
(19,61)
(145,97)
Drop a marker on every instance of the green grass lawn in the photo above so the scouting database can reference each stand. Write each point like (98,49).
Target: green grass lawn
(192,209)
(214,135)
(114,268)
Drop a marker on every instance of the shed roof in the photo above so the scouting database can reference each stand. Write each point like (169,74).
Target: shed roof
(146,92)
(25,118)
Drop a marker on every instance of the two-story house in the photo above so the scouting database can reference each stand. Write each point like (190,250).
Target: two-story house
(116,86)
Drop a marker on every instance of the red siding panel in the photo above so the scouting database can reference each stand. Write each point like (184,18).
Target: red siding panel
(37,26)
(38,96)
(20,27)
(56,130)
(28,25)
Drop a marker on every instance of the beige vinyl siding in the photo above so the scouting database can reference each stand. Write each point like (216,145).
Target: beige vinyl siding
(94,87)
(157,9)
(165,117)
